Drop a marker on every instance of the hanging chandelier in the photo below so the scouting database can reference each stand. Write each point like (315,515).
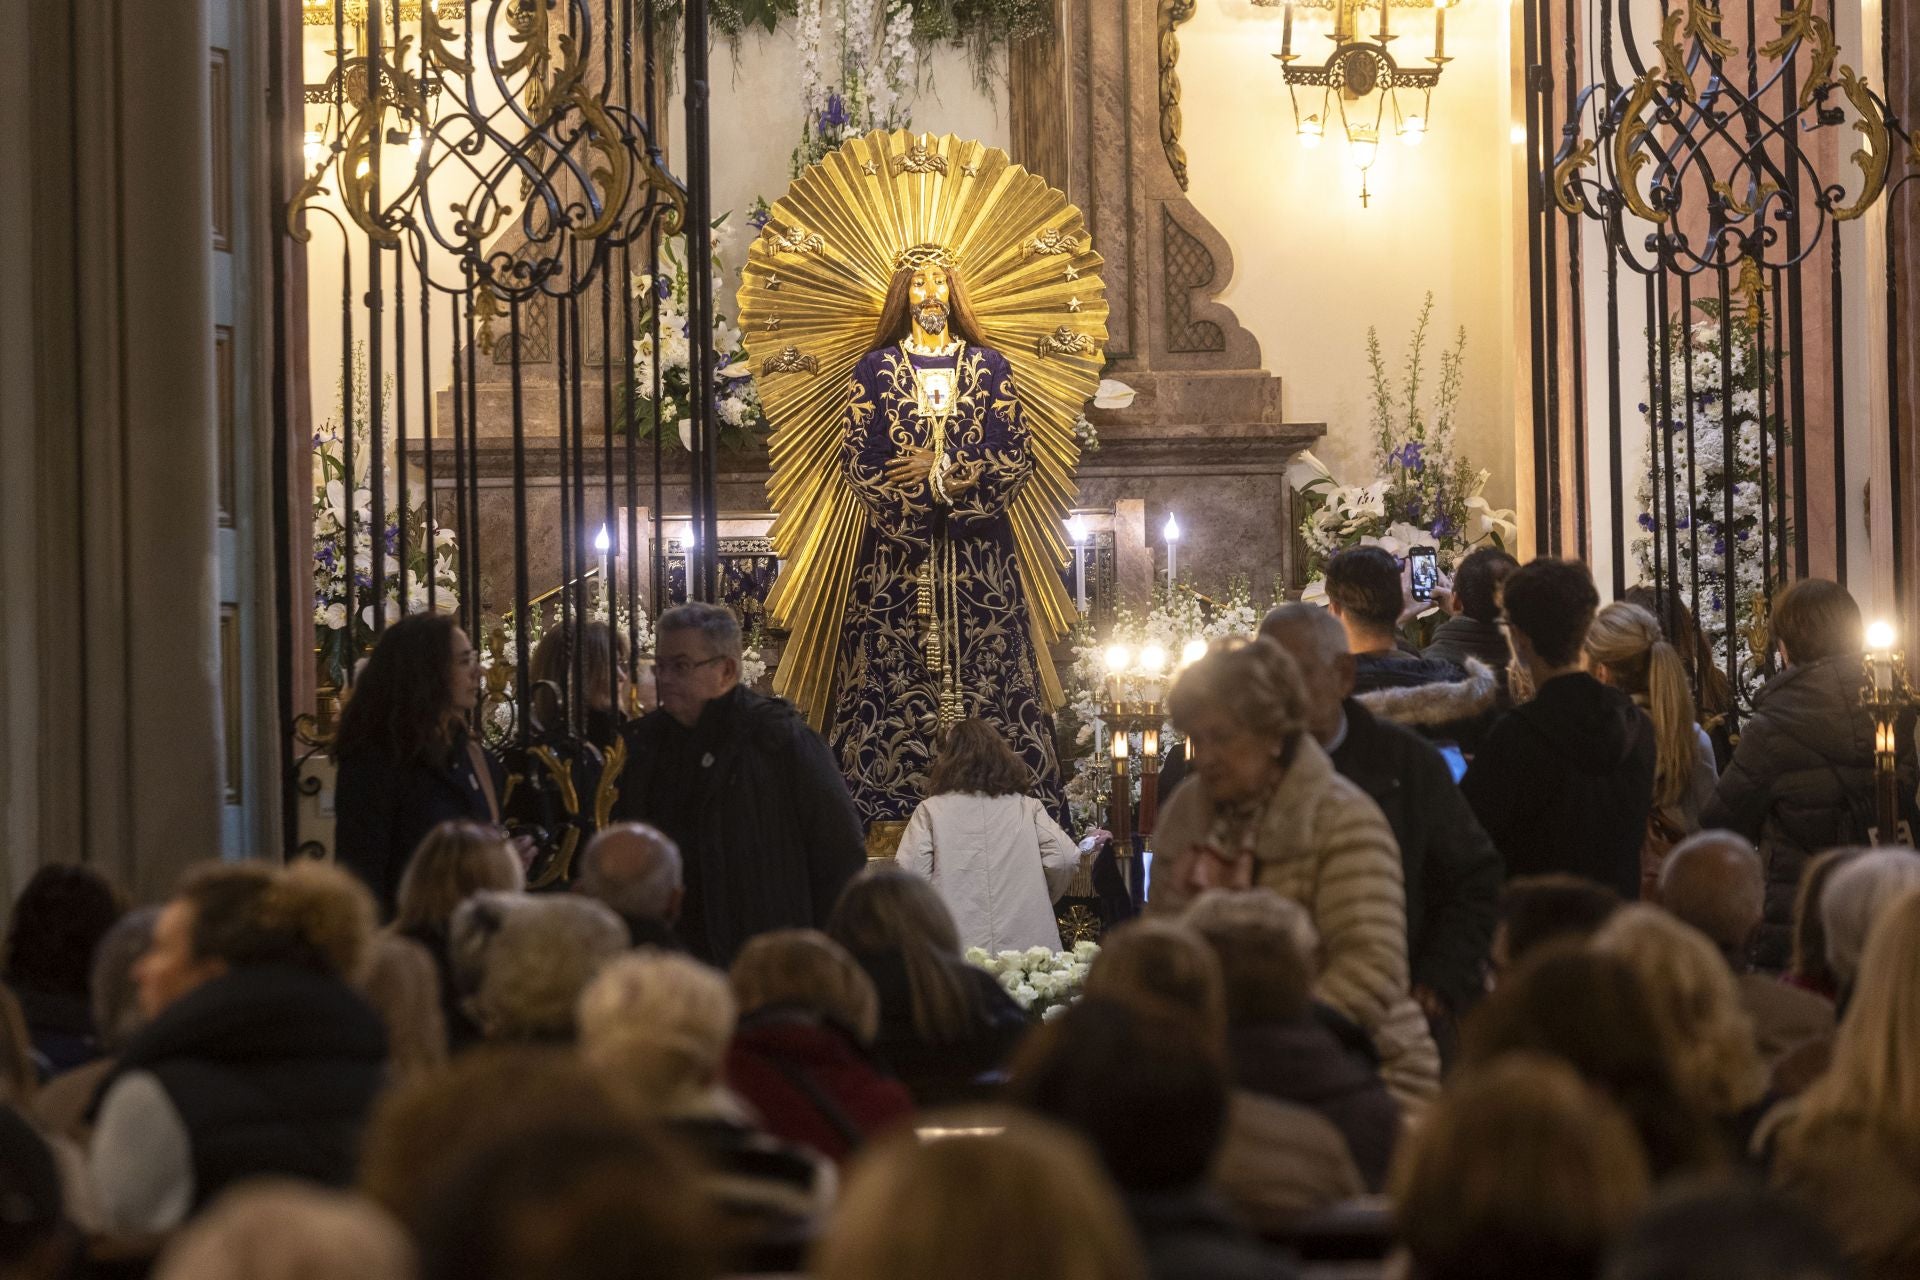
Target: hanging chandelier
(1361,85)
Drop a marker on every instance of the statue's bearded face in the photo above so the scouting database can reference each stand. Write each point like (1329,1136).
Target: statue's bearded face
(927,295)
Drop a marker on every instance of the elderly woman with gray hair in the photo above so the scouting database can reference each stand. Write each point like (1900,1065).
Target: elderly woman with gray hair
(1265,807)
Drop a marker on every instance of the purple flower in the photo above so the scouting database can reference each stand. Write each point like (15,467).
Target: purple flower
(1441,528)
(1408,456)
(834,116)
(1646,522)
(761,215)
(662,288)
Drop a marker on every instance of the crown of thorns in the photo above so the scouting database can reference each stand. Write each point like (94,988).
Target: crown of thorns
(924,255)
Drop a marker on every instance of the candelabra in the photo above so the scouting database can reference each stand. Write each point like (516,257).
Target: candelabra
(1887,696)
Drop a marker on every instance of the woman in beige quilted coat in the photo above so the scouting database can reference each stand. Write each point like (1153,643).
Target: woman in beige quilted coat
(1265,807)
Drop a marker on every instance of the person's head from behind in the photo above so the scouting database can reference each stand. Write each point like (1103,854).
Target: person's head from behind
(37,1242)
(655,1026)
(583,1201)
(1317,643)
(454,861)
(975,759)
(1165,964)
(224,916)
(1242,707)
(590,675)
(1519,1172)
(415,692)
(1476,583)
(1589,1010)
(115,995)
(887,910)
(805,971)
(635,869)
(1536,910)
(522,961)
(1365,593)
(1706,1033)
(1625,649)
(1874,1079)
(697,652)
(1718,1229)
(1548,605)
(1144,1085)
(1814,619)
(1808,963)
(402,984)
(57,922)
(422,1125)
(1714,882)
(1266,947)
(278,1229)
(1856,896)
(997,1193)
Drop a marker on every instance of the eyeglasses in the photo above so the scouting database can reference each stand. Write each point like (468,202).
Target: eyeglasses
(680,668)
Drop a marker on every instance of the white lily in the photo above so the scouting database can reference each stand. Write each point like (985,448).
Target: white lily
(1305,469)
(1113,394)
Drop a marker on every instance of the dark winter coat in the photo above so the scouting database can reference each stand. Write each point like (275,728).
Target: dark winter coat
(272,1071)
(1801,780)
(772,838)
(1564,783)
(954,1071)
(811,1084)
(1452,871)
(1461,639)
(384,807)
(1303,1062)
(1193,1235)
(1395,669)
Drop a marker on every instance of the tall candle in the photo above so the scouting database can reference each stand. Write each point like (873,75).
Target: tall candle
(1440,33)
(1286,32)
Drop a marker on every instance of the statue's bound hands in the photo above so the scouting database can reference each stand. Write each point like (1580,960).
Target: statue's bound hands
(960,477)
(910,470)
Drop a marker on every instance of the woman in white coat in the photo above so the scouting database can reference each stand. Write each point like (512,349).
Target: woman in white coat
(996,857)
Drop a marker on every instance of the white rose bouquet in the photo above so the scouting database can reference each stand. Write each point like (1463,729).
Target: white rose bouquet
(1042,981)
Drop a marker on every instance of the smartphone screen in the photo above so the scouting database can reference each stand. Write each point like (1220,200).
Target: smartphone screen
(1423,570)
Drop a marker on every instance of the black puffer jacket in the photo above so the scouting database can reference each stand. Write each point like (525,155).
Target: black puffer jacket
(1564,783)
(272,1070)
(1801,780)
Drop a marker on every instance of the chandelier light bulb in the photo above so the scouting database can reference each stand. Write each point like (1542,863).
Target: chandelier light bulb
(1192,652)
(1171,530)
(601,542)
(314,149)
(1880,637)
(1153,659)
(1076,529)
(1362,151)
(415,142)
(1119,658)
(1312,131)
(1414,131)
(360,170)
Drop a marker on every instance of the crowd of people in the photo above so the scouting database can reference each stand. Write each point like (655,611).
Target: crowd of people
(1501,960)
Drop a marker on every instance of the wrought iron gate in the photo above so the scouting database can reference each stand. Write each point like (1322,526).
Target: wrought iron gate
(1698,180)
(488,180)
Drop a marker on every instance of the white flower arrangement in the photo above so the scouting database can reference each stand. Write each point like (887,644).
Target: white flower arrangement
(736,402)
(1040,980)
(431,554)
(874,72)
(1700,511)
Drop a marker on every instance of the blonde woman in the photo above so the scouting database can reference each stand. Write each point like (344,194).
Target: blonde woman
(455,861)
(1705,1032)
(1852,1150)
(996,1194)
(1265,807)
(1626,650)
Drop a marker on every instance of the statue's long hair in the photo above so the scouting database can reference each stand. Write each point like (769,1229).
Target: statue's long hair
(896,319)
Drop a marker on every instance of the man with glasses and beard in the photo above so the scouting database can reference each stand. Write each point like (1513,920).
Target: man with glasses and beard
(739,781)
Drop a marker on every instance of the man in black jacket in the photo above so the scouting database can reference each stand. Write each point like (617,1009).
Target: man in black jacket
(739,781)
(1366,594)
(1564,781)
(1452,871)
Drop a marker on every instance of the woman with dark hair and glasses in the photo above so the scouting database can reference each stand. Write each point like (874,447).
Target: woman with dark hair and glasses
(408,761)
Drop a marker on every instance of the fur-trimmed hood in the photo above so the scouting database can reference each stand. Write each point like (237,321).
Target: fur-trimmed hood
(1437,704)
